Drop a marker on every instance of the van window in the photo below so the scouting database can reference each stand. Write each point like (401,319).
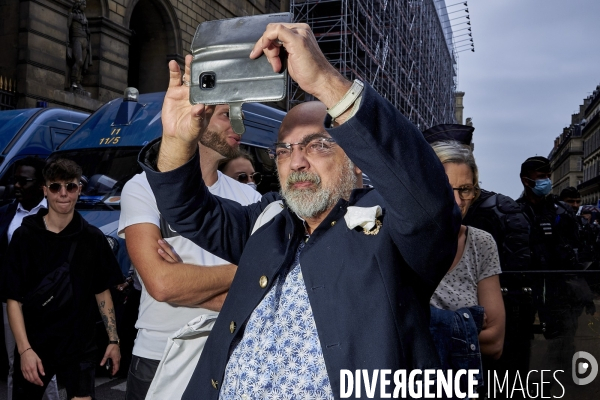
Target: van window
(105,172)
(59,136)
(11,123)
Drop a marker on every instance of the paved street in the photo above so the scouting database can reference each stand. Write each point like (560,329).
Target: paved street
(106,389)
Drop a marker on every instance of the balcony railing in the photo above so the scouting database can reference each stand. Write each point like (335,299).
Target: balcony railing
(8,95)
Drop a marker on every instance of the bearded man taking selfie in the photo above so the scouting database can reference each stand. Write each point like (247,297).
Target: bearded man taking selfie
(341,277)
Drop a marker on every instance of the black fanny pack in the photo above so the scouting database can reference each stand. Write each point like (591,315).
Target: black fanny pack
(54,292)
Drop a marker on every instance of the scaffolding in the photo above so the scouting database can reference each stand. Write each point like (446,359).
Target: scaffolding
(397,46)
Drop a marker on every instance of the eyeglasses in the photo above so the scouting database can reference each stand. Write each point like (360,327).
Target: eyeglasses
(572,201)
(467,192)
(314,147)
(21,180)
(255,177)
(55,187)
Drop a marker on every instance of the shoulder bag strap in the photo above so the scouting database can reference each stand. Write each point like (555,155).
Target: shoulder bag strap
(72,252)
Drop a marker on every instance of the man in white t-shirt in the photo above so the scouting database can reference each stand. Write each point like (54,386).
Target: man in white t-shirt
(174,294)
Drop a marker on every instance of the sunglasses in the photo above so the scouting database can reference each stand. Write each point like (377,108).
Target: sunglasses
(255,177)
(21,180)
(55,187)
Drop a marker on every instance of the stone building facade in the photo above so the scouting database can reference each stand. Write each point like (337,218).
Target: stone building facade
(132,42)
(566,157)
(590,187)
(459,107)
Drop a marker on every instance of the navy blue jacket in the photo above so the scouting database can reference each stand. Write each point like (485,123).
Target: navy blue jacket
(369,294)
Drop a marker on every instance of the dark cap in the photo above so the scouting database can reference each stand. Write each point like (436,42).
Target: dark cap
(570,192)
(537,163)
(461,133)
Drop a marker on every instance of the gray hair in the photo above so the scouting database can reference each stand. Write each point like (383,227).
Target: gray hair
(451,151)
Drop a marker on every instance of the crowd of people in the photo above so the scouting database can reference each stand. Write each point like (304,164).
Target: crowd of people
(254,297)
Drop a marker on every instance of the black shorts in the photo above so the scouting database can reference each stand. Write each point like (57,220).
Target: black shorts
(77,378)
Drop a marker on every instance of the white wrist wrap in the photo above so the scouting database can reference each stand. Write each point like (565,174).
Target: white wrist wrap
(347,101)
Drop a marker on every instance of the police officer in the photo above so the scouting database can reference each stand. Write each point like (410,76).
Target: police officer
(554,235)
(572,197)
(502,217)
(587,232)
(559,297)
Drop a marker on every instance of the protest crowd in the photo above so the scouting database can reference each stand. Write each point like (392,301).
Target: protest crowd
(244,295)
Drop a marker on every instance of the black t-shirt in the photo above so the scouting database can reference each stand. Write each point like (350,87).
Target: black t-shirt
(32,254)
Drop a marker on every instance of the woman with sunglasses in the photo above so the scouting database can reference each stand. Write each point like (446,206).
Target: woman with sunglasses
(55,328)
(241,168)
(471,286)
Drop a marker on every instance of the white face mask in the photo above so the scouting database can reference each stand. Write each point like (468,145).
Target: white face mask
(252,185)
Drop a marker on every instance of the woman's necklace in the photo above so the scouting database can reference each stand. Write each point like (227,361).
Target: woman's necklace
(45,224)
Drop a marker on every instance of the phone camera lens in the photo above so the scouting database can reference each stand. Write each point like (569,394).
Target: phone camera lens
(207,80)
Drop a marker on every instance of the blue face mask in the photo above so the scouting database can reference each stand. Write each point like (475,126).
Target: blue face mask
(542,187)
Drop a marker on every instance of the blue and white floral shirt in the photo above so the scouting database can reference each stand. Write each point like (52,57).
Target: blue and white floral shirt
(279,356)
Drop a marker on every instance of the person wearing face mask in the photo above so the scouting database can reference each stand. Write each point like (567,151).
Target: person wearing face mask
(241,168)
(554,232)
(558,298)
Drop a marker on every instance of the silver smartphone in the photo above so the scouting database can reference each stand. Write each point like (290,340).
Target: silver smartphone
(222,71)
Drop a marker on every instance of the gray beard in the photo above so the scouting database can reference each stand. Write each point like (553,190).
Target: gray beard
(312,202)
(214,141)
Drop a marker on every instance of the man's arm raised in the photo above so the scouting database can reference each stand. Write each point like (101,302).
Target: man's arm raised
(384,145)
(183,123)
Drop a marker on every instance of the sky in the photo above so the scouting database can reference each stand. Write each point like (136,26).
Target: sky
(534,63)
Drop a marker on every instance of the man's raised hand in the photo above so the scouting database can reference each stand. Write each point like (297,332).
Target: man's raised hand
(182,123)
(305,62)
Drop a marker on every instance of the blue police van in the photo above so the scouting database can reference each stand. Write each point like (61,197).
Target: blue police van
(106,146)
(31,132)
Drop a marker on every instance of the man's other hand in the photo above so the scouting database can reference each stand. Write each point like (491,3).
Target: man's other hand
(32,368)
(168,253)
(306,63)
(114,353)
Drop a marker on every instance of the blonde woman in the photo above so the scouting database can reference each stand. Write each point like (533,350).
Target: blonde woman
(472,280)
